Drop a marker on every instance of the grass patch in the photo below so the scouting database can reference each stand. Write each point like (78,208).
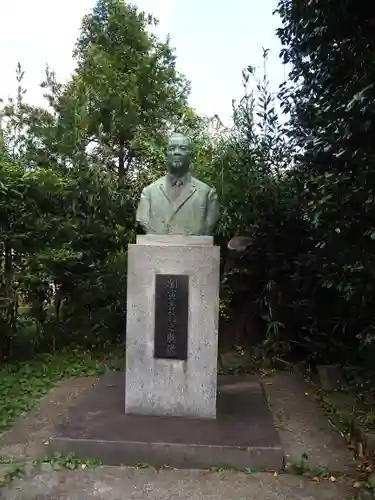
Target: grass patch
(55,462)
(14,472)
(59,461)
(339,418)
(22,384)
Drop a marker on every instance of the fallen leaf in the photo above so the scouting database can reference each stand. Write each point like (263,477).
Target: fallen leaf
(333,479)
(357,484)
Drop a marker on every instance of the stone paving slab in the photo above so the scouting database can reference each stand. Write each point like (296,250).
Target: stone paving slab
(302,426)
(243,435)
(120,483)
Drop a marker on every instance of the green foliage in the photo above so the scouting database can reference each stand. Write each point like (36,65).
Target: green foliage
(58,461)
(67,216)
(70,177)
(246,163)
(63,242)
(249,165)
(13,471)
(126,89)
(331,100)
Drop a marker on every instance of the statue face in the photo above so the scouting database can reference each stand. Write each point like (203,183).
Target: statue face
(178,154)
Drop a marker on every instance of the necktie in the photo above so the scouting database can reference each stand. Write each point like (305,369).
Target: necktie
(176,188)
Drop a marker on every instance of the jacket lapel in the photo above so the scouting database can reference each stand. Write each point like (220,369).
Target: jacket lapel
(187,191)
(164,189)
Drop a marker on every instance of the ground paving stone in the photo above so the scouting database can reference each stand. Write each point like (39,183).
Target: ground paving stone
(120,483)
(303,428)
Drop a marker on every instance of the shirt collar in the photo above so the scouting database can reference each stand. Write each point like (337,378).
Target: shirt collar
(178,181)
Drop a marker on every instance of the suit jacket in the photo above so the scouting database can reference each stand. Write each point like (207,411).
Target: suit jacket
(194,212)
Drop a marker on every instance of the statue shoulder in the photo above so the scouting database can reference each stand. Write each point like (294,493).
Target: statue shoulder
(202,186)
(154,185)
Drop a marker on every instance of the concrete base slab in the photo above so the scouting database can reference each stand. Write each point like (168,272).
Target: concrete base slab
(243,435)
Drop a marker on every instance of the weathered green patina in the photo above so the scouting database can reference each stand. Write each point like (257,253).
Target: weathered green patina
(178,203)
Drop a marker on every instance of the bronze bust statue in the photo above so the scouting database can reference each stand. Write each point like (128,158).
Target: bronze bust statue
(178,203)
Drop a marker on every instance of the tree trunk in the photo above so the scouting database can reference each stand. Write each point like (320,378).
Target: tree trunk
(10,319)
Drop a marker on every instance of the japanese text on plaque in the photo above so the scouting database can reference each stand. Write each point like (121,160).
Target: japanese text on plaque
(171,324)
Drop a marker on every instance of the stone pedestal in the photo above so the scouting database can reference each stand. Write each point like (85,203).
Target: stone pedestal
(172,326)
(171,364)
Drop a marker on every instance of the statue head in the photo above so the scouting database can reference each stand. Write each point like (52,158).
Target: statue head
(179,154)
